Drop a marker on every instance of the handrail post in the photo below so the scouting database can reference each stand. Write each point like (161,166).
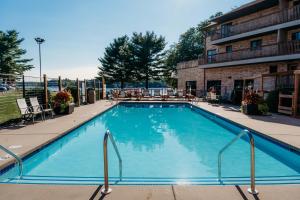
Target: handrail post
(106,189)
(19,160)
(252,189)
(108,135)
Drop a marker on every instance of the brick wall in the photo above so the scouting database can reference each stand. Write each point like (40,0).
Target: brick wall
(227,75)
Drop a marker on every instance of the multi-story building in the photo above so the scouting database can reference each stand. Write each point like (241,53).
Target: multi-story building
(256,39)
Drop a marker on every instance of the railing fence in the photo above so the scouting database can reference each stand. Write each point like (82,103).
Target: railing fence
(13,87)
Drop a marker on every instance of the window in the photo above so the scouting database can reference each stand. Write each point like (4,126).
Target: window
(273,69)
(214,85)
(226,29)
(256,44)
(191,87)
(211,55)
(292,67)
(296,2)
(229,49)
(296,36)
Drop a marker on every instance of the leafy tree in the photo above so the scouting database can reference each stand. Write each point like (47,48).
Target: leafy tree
(170,62)
(116,62)
(190,46)
(148,55)
(11,61)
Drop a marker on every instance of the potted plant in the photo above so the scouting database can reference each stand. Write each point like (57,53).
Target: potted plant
(250,103)
(63,102)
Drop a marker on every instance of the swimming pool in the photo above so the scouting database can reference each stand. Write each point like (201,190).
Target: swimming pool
(160,143)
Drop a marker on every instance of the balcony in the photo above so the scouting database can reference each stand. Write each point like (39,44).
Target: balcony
(279,17)
(278,49)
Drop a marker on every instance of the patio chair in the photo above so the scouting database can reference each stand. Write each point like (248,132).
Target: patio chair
(122,94)
(157,93)
(214,98)
(28,112)
(170,94)
(35,104)
(146,94)
(208,96)
(180,94)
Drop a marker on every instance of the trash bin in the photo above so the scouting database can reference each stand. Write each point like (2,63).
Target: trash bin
(91,96)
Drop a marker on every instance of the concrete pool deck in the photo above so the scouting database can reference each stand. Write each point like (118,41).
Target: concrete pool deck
(280,127)
(176,192)
(33,137)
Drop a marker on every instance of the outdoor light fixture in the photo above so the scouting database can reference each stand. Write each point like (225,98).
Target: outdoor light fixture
(40,41)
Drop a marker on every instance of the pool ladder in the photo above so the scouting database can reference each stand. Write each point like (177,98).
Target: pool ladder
(108,135)
(19,160)
(252,189)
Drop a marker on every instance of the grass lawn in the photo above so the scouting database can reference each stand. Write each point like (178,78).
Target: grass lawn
(8,106)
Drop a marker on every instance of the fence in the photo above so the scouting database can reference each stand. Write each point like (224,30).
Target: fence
(13,87)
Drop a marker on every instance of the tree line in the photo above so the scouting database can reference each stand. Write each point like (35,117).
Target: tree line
(144,57)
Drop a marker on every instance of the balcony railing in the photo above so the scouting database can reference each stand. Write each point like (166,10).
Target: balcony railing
(278,49)
(279,17)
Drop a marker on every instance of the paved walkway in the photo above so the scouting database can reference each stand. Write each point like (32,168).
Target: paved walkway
(25,140)
(48,192)
(280,127)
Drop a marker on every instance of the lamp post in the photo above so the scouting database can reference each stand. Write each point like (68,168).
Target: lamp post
(40,41)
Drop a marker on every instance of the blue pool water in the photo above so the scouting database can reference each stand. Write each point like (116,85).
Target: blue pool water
(159,144)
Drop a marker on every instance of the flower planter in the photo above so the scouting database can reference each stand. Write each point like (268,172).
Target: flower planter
(68,110)
(250,109)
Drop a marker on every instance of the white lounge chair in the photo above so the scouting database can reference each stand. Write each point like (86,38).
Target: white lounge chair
(157,93)
(180,94)
(146,94)
(35,105)
(28,112)
(170,94)
(122,94)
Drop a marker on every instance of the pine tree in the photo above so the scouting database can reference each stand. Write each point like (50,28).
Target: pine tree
(148,56)
(116,62)
(11,61)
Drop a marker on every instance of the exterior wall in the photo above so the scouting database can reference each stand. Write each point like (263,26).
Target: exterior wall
(243,44)
(190,73)
(228,75)
(252,16)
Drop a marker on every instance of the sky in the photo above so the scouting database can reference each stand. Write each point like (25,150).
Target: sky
(77,31)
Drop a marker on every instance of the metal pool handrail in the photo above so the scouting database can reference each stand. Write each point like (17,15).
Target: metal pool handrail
(19,160)
(106,189)
(252,189)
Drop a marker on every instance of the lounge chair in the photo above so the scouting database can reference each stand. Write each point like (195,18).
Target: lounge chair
(122,94)
(146,94)
(171,94)
(35,104)
(157,93)
(180,94)
(28,112)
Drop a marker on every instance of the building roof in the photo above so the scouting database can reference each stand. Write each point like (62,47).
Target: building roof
(246,9)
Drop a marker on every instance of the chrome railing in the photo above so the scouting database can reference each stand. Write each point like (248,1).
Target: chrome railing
(19,160)
(252,189)
(107,189)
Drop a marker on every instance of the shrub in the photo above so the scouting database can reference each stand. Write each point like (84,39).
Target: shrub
(263,108)
(62,99)
(251,98)
(73,91)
